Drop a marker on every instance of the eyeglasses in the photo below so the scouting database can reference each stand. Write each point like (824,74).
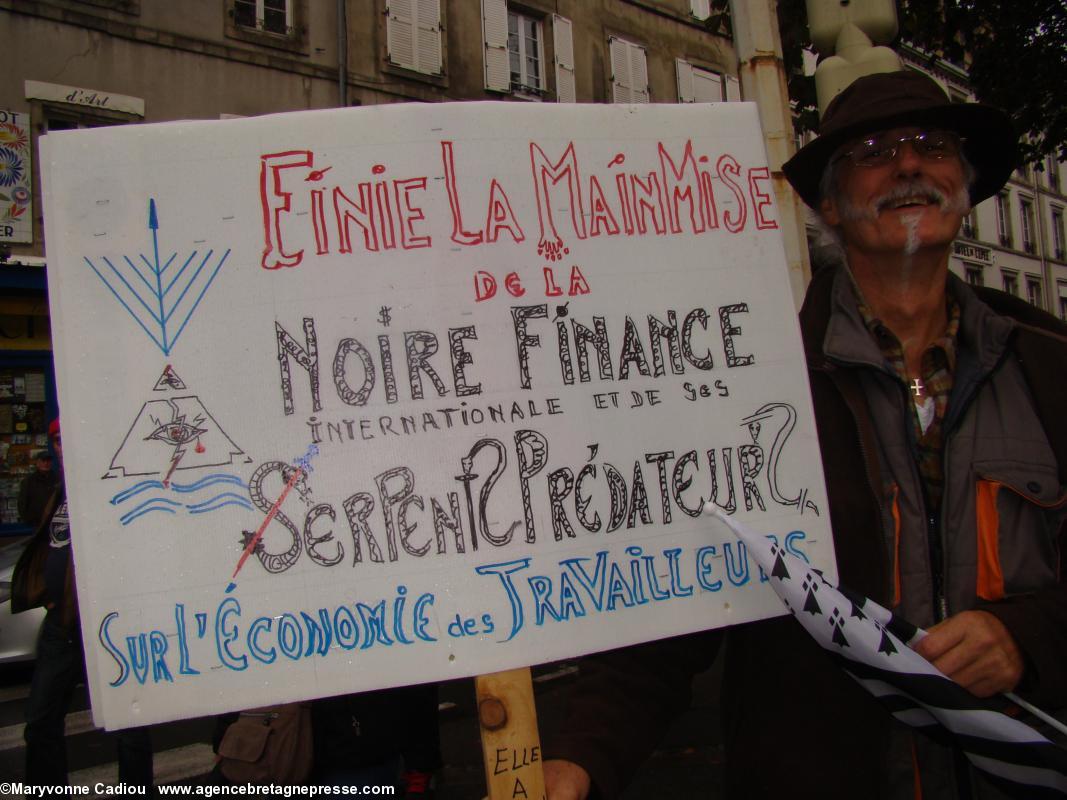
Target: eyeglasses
(883,148)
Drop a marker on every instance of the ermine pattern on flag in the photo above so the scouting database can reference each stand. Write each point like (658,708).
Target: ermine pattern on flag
(870,644)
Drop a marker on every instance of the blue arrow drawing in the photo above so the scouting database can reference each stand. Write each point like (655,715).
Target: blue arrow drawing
(148,293)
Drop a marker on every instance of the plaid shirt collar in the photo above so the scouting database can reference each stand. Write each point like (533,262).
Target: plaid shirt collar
(943,347)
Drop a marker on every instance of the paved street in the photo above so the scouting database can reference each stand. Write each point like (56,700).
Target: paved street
(686,766)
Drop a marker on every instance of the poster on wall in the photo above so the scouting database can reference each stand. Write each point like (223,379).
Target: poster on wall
(16,189)
(366,397)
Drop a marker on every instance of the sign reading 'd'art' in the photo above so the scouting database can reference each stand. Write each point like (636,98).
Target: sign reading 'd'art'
(369,397)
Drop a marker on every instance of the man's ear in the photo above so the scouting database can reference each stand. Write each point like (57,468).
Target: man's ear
(828,212)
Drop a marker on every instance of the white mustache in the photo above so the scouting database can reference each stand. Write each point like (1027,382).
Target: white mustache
(915,189)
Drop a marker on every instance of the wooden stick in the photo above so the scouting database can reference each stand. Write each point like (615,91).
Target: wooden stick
(511,746)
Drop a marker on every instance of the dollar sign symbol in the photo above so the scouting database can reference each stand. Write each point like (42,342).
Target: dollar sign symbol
(384,316)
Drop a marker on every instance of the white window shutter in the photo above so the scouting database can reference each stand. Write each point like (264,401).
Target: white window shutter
(563,44)
(733,89)
(639,74)
(701,9)
(495,40)
(428,36)
(707,86)
(620,71)
(400,32)
(686,94)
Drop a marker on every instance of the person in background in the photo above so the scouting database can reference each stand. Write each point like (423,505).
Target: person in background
(44,576)
(36,488)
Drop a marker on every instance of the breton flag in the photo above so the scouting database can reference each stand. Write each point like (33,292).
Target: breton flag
(870,644)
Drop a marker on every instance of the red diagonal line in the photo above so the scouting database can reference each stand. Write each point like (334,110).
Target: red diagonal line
(270,515)
(173,466)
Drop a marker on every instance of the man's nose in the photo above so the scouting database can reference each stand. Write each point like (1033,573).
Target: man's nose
(907,159)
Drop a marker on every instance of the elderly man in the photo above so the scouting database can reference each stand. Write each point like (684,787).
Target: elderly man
(941,420)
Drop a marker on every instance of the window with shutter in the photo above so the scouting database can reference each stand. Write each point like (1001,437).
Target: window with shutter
(620,71)
(684,72)
(697,85)
(400,32)
(413,34)
(707,86)
(1003,218)
(1058,250)
(1034,295)
(629,71)
(1010,282)
(1026,213)
(733,89)
(428,36)
(638,74)
(563,44)
(495,39)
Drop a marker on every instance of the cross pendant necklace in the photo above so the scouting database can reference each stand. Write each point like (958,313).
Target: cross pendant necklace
(918,387)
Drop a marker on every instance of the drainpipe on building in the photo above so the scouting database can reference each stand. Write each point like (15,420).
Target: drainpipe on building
(763,79)
(342,54)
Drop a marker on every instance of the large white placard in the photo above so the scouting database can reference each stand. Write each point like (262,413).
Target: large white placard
(367,397)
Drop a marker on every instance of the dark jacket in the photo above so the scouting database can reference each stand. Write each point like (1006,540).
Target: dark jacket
(795,725)
(28,588)
(34,493)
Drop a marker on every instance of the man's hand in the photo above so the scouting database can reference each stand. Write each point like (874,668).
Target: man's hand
(565,780)
(976,651)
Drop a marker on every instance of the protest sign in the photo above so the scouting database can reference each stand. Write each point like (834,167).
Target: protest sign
(367,397)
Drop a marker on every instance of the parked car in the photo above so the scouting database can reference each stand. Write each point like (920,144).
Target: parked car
(18,632)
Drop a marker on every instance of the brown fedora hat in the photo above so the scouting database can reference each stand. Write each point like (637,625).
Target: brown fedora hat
(894,99)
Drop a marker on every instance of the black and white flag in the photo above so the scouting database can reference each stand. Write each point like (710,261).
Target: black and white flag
(870,643)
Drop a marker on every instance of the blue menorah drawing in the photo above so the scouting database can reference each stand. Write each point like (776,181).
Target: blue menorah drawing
(150,297)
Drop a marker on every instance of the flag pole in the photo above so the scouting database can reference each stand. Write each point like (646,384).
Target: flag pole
(511,745)
(1048,719)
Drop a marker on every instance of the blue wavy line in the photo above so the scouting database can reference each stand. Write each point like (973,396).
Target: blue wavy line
(157,500)
(194,506)
(137,488)
(208,480)
(242,503)
(128,518)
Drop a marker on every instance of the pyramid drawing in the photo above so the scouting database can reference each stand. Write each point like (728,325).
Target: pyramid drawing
(169,380)
(173,434)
